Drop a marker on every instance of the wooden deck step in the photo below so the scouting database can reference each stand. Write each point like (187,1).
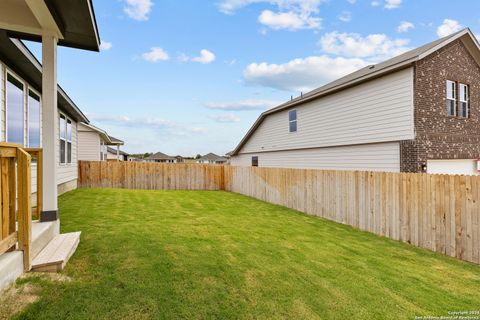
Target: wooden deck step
(55,255)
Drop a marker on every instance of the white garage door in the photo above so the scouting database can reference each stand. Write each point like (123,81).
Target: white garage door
(466,167)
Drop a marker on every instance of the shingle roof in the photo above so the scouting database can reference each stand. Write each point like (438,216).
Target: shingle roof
(365,74)
(116,141)
(160,156)
(212,157)
(113,150)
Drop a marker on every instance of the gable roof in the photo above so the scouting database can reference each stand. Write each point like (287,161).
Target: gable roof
(116,141)
(160,156)
(113,150)
(371,72)
(212,157)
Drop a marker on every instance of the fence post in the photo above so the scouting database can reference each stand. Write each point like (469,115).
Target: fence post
(24,206)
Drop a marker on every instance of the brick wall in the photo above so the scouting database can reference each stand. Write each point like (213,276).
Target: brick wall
(439,136)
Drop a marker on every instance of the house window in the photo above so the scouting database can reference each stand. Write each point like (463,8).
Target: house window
(69,141)
(15,110)
(292,120)
(63,138)
(33,120)
(451,98)
(254,161)
(463,100)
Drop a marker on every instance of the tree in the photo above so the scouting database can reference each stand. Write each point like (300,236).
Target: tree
(198,156)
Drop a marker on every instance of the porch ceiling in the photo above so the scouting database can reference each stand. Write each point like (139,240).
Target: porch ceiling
(73,20)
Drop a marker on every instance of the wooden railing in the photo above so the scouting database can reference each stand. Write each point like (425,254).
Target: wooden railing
(16,198)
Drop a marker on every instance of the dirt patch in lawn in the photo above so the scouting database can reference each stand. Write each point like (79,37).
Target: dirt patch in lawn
(17,297)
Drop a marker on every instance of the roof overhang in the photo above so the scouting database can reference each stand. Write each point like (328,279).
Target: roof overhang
(72,21)
(115,141)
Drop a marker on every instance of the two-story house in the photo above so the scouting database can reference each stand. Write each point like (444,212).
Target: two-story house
(417,112)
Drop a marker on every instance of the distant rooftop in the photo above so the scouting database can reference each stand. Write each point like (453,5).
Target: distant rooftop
(160,156)
(212,157)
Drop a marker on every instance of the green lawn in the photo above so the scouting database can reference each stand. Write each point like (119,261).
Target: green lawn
(218,255)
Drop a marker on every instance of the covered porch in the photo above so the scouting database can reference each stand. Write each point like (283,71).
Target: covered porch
(27,244)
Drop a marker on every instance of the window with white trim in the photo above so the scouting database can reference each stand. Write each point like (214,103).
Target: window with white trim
(33,120)
(463,101)
(15,110)
(255,161)
(292,120)
(69,141)
(63,138)
(451,98)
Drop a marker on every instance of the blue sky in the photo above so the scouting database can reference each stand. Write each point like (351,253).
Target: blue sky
(191,76)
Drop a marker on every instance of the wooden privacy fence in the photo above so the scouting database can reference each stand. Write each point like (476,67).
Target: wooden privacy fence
(150,176)
(436,212)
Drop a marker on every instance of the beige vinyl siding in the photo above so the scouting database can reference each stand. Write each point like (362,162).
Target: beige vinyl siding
(88,145)
(368,157)
(111,156)
(68,171)
(380,110)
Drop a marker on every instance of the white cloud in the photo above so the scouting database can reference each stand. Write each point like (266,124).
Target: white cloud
(230,6)
(374,46)
(301,74)
(205,57)
(243,105)
(225,118)
(388,4)
(105,45)
(352,1)
(138,9)
(405,26)
(392,4)
(290,14)
(152,123)
(448,27)
(346,16)
(288,20)
(156,54)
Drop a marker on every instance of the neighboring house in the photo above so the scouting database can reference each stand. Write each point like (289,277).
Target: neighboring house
(93,143)
(114,154)
(417,112)
(161,158)
(212,158)
(179,159)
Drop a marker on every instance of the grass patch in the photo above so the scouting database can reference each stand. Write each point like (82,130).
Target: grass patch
(218,255)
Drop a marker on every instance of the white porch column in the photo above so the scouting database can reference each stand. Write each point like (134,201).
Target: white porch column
(50,133)
(118,152)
